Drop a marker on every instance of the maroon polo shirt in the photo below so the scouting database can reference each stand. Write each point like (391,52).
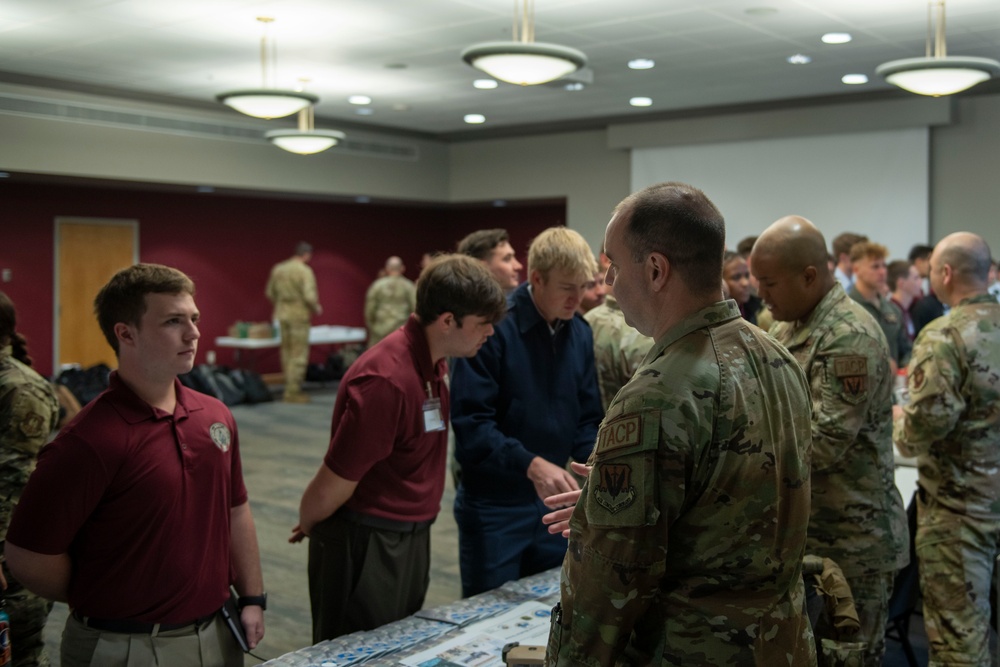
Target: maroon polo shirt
(378,436)
(140,500)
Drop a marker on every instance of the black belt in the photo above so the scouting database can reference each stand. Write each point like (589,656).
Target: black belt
(130,627)
(382,523)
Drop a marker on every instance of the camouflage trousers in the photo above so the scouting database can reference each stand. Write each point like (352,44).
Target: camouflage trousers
(956,553)
(28,614)
(871,600)
(294,354)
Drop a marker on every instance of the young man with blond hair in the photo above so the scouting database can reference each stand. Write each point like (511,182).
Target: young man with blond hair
(870,289)
(525,405)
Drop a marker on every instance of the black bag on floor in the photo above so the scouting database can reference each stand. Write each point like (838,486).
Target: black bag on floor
(214,381)
(85,383)
(254,388)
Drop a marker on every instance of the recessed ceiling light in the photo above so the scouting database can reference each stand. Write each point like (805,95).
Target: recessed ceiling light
(641,63)
(836,38)
(485,84)
(576,85)
(364,111)
(359,99)
(641,101)
(474,118)
(854,79)
(799,59)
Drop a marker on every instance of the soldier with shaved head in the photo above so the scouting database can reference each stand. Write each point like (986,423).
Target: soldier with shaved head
(686,543)
(952,426)
(857,517)
(389,301)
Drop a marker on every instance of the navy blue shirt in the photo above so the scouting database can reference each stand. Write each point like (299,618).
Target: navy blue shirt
(527,393)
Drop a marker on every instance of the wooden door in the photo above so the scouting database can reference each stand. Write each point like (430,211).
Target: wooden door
(88,252)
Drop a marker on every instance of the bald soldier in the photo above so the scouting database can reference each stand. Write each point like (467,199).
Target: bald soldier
(857,517)
(952,426)
(389,301)
(686,545)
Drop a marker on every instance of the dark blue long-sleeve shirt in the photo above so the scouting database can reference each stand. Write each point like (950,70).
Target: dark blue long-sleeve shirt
(526,393)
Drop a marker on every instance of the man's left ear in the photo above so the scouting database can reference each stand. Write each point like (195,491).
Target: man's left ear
(657,270)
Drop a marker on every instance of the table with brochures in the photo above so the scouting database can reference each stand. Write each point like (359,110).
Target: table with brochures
(472,631)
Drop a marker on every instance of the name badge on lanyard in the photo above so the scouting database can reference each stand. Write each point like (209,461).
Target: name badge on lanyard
(433,419)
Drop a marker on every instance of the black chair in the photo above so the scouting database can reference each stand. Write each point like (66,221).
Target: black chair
(905,592)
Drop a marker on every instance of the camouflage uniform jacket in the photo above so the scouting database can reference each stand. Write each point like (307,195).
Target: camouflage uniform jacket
(29,412)
(618,348)
(858,519)
(292,290)
(890,318)
(952,422)
(686,545)
(388,304)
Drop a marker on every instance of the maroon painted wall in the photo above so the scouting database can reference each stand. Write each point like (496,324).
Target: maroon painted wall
(228,244)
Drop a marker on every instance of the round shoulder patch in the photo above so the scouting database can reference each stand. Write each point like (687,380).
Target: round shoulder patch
(221,436)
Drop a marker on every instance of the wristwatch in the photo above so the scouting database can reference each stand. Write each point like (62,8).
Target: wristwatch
(253,600)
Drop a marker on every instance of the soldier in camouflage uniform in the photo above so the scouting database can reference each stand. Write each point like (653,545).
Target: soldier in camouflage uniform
(857,519)
(389,301)
(292,290)
(28,414)
(618,348)
(952,426)
(686,544)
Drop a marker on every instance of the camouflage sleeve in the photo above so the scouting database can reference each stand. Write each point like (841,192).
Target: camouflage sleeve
(309,291)
(936,402)
(846,378)
(371,306)
(411,294)
(617,550)
(27,420)
(270,291)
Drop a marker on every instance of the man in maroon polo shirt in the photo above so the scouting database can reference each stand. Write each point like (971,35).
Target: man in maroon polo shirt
(368,510)
(137,514)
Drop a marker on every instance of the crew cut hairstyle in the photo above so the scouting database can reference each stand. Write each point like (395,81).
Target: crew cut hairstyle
(897,270)
(920,251)
(480,244)
(123,298)
(460,285)
(562,249)
(969,264)
(679,222)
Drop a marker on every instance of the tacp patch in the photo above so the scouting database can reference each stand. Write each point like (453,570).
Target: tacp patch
(614,491)
(32,425)
(853,375)
(221,436)
(619,434)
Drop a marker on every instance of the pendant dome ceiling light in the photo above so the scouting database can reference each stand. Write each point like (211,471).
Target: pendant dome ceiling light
(524,61)
(306,140)
(267,101)
(937,74)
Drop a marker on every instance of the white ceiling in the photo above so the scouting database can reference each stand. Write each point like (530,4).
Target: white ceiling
(708,52)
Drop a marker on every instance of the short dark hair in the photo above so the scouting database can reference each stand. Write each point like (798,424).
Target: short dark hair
(459,285)
(920,251)
(303,248)
(682,224)
(745,247)
(480,244)
(8,331)
(896,270)
(123,298)
(843,243)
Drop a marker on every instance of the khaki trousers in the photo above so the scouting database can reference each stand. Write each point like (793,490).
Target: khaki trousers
(211,645)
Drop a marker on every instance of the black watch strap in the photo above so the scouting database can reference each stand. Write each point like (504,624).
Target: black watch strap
(253,600)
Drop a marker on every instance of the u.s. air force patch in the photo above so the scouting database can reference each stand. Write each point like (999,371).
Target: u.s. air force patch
(852,375)
(221,436)
(614,490)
